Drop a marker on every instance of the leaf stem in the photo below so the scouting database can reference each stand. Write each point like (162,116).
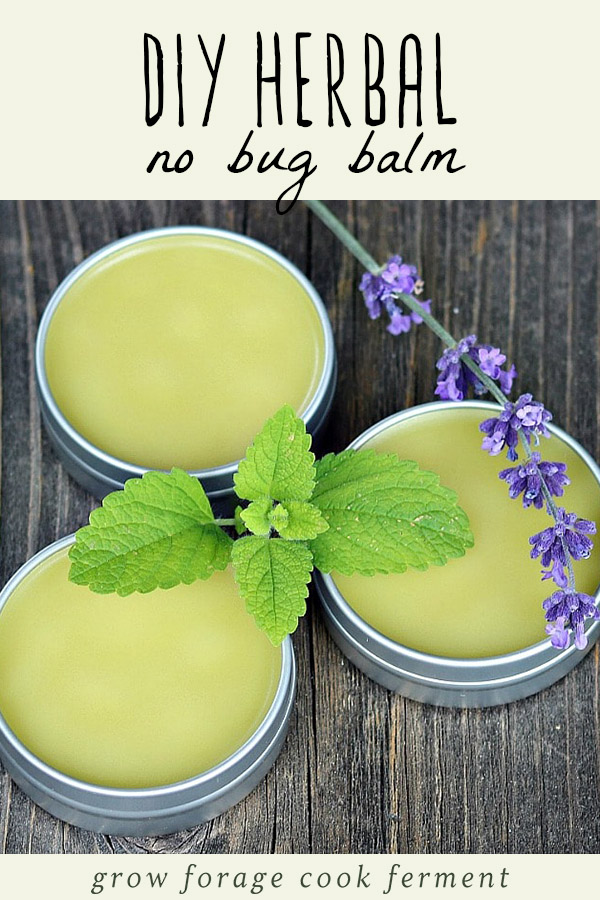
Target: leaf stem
(342,233)
(223,522)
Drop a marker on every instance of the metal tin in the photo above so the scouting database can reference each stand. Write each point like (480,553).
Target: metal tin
(159,810)
(100,472)
(439,680)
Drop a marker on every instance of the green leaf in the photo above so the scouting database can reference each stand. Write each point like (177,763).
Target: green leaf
(273,575)
(302,521)
(279,463)
(157,532)
(278,516)
(384,515)
(256,516)
(240,525)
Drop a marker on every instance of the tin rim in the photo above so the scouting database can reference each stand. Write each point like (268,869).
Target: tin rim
(427,663)
(321,399)
(197,789)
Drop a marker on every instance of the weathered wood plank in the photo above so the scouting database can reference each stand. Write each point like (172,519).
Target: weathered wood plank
(362,770)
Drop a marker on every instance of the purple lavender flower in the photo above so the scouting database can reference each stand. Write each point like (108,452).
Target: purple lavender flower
(526,416)
(455,377)
(569,608)
(557,574)
(506,379)
(401,277)
(527,478)
(399,322)
(559,636)
(568,535)
(566,610)
(380,294)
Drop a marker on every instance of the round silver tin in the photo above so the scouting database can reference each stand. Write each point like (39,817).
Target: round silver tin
(438,680)
(158,810)
(98,471)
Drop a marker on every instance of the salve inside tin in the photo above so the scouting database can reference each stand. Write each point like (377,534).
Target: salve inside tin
(488,602)
(172,348)
(132,692)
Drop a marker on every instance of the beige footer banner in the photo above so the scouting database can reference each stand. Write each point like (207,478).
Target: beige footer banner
(311,876)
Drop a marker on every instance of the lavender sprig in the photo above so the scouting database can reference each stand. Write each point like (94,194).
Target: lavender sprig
(466,364)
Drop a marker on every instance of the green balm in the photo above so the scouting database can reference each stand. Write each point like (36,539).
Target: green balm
(132,692)
(488,602)
(172,351)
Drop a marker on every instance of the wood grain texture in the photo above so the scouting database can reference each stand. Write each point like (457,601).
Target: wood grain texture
(363,770)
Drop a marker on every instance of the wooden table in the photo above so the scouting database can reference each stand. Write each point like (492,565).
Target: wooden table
(362,770)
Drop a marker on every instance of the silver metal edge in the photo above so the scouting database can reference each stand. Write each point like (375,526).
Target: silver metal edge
(191,801)
(313,415)
(445,680)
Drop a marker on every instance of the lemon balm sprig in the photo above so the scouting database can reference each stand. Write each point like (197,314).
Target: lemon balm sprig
(355,511)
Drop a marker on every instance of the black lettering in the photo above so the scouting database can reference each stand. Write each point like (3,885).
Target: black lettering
(332,85)
(361,880)
(153,119)
(438,84)
(384,166)
(356,166)
(272,79)
(371,86)
(97,886)
(276,163)
(410,86)
(408,159)
(180,80)
(300,81)
(445,876)
(300,162)
(437,156)
(182,163)
(236,166)
(214,71)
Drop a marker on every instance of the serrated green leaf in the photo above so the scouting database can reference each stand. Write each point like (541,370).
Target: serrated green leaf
(256,516)
(302,521)
(273,575)
(157,532)
(384,515)
(279,463)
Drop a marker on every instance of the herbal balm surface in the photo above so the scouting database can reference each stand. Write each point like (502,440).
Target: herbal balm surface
(487,602)
(132,692)
(173,351)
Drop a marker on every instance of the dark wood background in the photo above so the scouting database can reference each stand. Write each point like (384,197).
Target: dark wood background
(362,770)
